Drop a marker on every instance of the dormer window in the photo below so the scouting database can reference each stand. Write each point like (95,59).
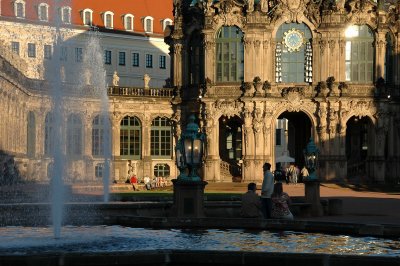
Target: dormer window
(148,24)
(66,15)
(108,18)
(166,22)
(128,22)
(43,12)
(19,8)
(87,16)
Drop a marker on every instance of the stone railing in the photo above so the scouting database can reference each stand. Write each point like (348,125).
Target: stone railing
(139,92)
(229,171)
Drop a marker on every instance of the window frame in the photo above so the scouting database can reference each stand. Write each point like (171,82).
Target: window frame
(98,130)
(145,25)
(16,4)
(47,51)
(107,57)
(78,54)
(121,58)
(134,59)
(39,11)
(74,136)
(166,22)
(48,134)
(63,12)
(86,23)
(163,62)
(161,138)
(134,131)
(132,17)
(105,17)
(162,168)
(31,50)
(15,47)
(31,135)
(149,61)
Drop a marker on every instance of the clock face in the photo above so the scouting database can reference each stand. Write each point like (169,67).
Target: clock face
(293,40)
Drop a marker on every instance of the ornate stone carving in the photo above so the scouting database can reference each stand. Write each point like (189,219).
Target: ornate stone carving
(257,120)
(294,97)
(291,10)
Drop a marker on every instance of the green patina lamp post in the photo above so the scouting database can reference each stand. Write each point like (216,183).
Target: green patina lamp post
(188,186)
(311,181)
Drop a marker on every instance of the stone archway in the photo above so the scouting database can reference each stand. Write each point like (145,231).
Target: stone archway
(295,134)
(230,147)
(359,148)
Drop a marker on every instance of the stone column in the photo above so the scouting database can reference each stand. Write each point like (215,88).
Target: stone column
(209,55)
(342,60)
(146,149)
(212,167)
(258,118)
(324,58)
(248,151)
(380,54)
(177,63)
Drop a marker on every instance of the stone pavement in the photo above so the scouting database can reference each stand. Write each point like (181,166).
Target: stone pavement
(362,207)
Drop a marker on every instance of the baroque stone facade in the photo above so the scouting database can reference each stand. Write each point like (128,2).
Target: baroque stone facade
(331,97)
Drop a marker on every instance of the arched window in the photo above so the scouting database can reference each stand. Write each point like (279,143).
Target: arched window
(148,24)
(130,138)
(359,54)
(74,135)
(293,54)
(230,55)
(48,134)
(87,17)
(161,137)
(19,8)
(31,135)
(166,22)
(196,59)
(161,170)
(98,136)
(389,57)
(66,15)
(108,18)
(128,22)
(43,12)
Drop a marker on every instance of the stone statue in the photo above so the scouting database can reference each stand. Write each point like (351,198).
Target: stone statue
(146,79)
(115,80)
(250,5)
(264,5)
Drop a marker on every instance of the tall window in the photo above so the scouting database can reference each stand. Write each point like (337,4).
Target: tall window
(66,14)
(19,8)
(31,135)
(98,136)
(78,54)
(43,12)
(196,58)
(135,59)
(230,54)
(47,51)
(107,57)
(130,138)
(163,59)
(121,58)
(293,53)
(278,137)
(128,22)
(148,24)
(98,170)
(108,19)
(359,54)
(149,61)
(87,17)
(15,47)
(161,138)
(48,134)
(389,57)
(74,135)
(31,50)
(64,53)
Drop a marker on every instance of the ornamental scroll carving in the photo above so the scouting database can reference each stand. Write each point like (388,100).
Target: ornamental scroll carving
(227,108)
(228,14)
(294,98)
(291,10)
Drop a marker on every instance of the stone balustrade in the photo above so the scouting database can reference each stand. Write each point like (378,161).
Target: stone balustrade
(140,92)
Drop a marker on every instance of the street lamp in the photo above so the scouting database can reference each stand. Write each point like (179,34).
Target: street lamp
(311,153)
(189,151)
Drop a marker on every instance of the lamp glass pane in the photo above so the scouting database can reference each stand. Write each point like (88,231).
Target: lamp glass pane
(188,151)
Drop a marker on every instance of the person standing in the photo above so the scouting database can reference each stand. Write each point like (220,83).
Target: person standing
(266,190)
(251,203)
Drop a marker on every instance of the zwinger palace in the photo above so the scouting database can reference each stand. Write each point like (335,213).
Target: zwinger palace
(262,77)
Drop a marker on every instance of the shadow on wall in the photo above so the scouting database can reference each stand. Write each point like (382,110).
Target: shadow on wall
(9,173)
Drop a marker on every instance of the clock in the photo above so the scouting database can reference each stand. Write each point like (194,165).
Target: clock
(293,40)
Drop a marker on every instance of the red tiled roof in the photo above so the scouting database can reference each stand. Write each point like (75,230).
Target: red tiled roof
(158,9)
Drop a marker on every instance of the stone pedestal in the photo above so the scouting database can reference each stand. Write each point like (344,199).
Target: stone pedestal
(312,196)
(188,198)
